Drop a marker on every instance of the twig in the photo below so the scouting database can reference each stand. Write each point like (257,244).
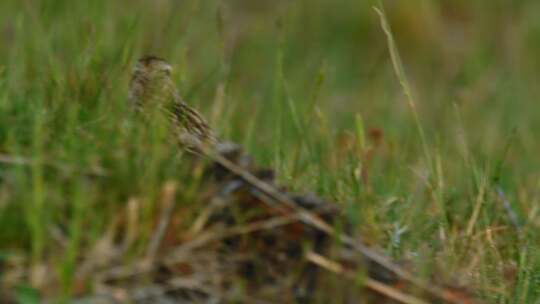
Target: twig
(207,237)
(178,254)
(370,283)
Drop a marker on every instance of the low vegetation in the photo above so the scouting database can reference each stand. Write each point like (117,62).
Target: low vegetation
(436,166)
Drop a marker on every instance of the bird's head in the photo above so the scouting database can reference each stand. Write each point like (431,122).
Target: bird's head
(153,67)
(151,82)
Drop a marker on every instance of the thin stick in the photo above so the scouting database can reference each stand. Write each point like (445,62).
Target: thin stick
(202,239)
(205,238)
(370,283)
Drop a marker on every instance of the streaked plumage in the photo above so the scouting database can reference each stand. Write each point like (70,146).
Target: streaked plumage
(151,87)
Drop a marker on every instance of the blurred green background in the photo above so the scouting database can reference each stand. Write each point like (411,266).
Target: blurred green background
(307,86)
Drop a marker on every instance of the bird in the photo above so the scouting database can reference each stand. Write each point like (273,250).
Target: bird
(152,88)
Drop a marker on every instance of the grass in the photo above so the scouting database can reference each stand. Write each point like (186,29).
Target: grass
(309,89)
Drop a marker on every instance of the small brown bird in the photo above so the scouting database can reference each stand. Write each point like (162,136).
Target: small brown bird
(151,87)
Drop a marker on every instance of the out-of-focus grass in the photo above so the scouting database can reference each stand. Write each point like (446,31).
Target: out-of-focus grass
(308,87)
